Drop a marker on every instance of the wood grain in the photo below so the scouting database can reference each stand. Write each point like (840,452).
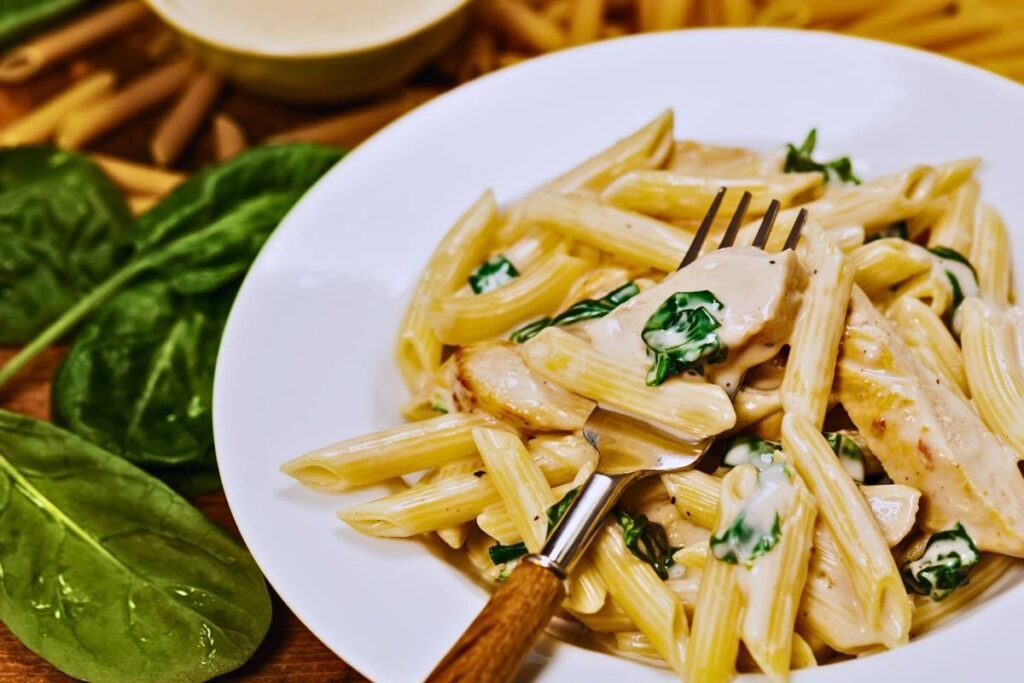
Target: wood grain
(493,647)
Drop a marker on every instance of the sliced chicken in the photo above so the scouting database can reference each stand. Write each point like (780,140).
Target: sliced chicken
(492,377)
(927,436)
(761,295)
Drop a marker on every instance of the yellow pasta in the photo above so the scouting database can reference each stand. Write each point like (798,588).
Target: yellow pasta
(463,247)
(696,410)
(876,579)
(523,25)
(184,119)
(159,85)
(881,264)
(990,255)
(519,481)
(390,453)
(819,327)
(28,59)
(633,237)
(228,137)
(40,124)
(137,178)
(648,147)
(993,361)
(955,228)
(649,603)
(453,536)
(468,319)
(930,614)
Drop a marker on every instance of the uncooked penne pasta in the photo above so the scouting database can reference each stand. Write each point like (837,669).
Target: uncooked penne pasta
(184,119)
(523,25)
(138,178)
(147,91)
(228,137)
(39,125)
(26,60)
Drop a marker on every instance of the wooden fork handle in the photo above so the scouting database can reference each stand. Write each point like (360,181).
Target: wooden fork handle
(495,644)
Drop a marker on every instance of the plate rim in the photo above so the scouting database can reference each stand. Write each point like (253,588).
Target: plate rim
(354,660)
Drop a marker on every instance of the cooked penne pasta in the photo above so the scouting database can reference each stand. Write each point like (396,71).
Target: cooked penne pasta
(990,254)
(884,263)
(184,119)
(955,228)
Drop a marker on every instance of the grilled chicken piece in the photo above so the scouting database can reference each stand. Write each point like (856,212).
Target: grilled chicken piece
(761,293)
(927,436)
(492,377)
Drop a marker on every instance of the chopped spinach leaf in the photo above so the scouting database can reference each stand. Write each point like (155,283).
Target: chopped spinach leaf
(850,455)
(899,230)
(492,274)
(500,554)
(743,541)
(681,335)
(647,541)
(963,278)
(587,309)
(529,331)
(757,528)
(748,449)
(800,160)
(947,560)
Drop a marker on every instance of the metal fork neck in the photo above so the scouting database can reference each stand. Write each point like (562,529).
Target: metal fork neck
(581,523)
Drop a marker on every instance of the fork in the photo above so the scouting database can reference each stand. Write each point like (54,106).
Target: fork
(495,644)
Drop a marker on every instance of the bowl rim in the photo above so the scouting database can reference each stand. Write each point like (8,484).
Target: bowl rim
(163,10)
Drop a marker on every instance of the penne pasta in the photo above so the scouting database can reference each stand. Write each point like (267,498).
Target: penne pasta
(874,575)
(956,226)
(468,319)
(137,178)
(83,126)
(695,410)
(26,60)
(633,237)
(228,137)
(40,124)
(184,119)
(419,350)
(882,264)
(990,254)
(819,326)
(390,453)
(523,25)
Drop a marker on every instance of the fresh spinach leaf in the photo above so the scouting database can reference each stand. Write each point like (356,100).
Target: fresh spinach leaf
(491,274)
(108,574)
(586,309)
(205,234)
(138,378)
(681,335)
(743,541)
(948,558)
(800,160)
(647,541)
(64,228)
(20,17)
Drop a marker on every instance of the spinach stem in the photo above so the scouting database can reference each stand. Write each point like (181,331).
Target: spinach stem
(62,325)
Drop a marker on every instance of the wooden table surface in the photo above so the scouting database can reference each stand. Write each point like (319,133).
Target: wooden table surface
(290,652)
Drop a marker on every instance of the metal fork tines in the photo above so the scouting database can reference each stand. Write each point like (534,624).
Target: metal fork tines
(729,237)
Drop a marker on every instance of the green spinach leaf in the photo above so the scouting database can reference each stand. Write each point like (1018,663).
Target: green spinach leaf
(647,541)
(681,335)
(948,558)
(850,455)
(585,309)
(800,160)
(749,449)
(110,575)
(64,228)
(20,17)
(138,378)
(492,274)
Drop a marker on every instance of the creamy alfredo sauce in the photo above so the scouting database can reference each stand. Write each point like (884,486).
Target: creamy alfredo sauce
(759,292)
(302,26)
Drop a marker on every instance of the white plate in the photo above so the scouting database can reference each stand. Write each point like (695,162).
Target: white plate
(306,358)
